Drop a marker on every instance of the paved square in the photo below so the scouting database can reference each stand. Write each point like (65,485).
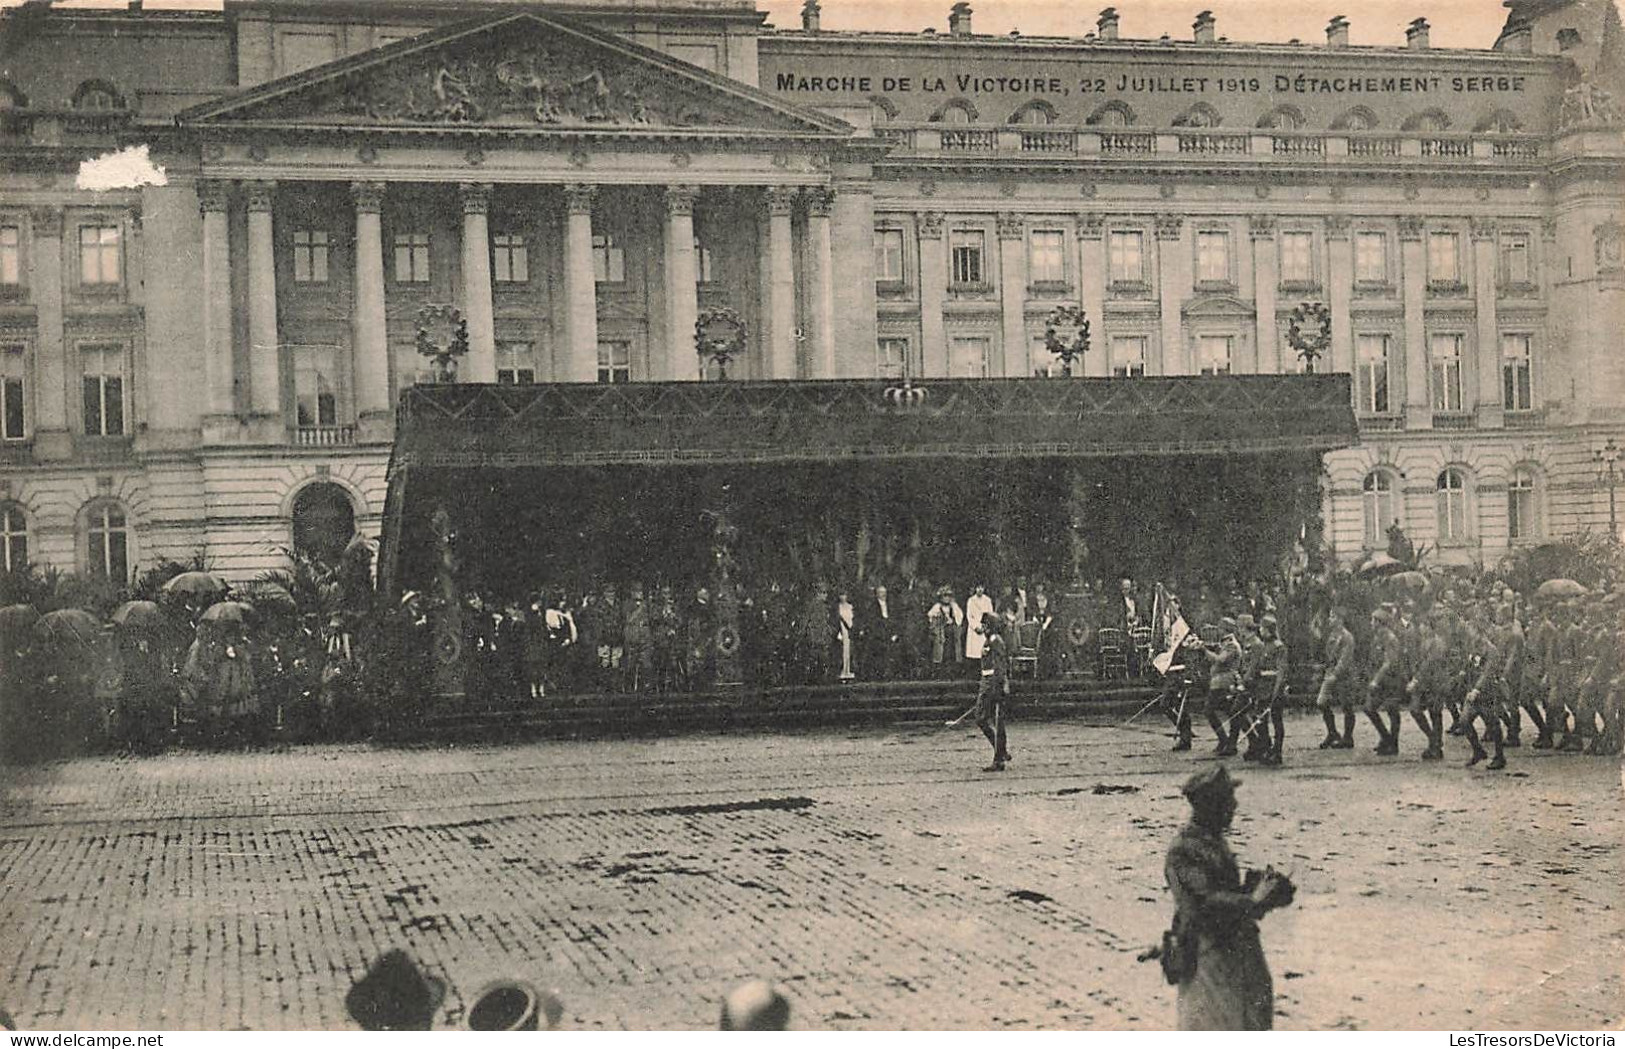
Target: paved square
(877,874)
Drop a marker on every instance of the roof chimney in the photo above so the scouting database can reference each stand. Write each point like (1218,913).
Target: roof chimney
(1107,24)
(1337,32)
(1206,27)
(809,16)
(1416,35)
(959,19)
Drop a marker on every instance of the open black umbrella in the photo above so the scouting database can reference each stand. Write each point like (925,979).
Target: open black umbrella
(197,584)
(141,617)
(70,627)
(234,613)
(15,623)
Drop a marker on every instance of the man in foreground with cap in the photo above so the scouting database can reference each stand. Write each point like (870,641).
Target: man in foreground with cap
(1218,963)
(993,693)
(1336,683)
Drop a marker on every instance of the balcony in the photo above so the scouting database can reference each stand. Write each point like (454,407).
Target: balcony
(1214,145)
(1128,143)
(1454,420)
(1515,149)
(1049,142)
(1381,422)
(897,136)
(1374,147)
(1525,419)
(324,436)
(1298,146)
(1447,148)
(969,140)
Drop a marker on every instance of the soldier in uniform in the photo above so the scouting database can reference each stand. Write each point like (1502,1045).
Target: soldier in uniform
(1337,683)
(1249,713)
(1227,985)
(1223,680)
(1186,679)
(1385,690)
(1484,697)
(1537,675)
(1600,662)
(992,695)
(639,660)
(1269,692)
(1431,679)
(1509,635)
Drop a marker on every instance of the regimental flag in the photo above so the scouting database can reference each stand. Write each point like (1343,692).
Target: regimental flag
(1176,638)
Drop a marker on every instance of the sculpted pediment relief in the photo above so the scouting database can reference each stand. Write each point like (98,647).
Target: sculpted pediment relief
(1217,306)
(520,72)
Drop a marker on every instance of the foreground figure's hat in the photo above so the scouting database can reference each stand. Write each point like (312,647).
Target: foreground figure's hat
(1210,784)
(395,995)
(756,1006)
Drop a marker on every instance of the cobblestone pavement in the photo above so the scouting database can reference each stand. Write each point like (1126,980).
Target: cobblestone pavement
(879,875)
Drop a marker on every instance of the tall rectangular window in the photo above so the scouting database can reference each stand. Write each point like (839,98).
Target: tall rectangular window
(614,361)
(1127,257)
(1444,258)
(892,354)
(1371,257)
(966,257)
(1522,512)
(889,256)
(1128,356)
(315,386)
(103,386)
(1297,257)
(100,262)
(608,260)
(703,273)
(1046,256)
(510,259)
(11,255)
(1517,389)
(516,366)
(1444,352)
(411,258)
(13,392)
(969,355)
(1213,355)
(1372,379)
(1515,259)
(1213,257)
(13,538)
(310,256)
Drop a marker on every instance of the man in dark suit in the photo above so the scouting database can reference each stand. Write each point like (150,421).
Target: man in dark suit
(880,636)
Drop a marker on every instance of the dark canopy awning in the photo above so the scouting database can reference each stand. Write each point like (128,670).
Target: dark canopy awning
(494,427)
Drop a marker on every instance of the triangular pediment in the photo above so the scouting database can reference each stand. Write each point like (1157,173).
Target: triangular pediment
(523,73)
(1217,304)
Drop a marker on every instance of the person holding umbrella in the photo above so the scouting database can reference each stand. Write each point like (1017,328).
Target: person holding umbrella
(142,635)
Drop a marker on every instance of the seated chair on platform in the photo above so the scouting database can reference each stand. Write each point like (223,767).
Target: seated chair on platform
(1113,654)
(1143,652)
(1030,638)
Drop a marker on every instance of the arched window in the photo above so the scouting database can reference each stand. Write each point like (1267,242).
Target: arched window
(323,522)
(1428,122)
(107,542)
(97,96)
(1500,122)
(1523,506)
(1036,113)
(1199,115)
(1357,119)
(1451,503)
(1381,508)
(1113,114)
(13,538)
(1282,118)
(959,111)
(881,110)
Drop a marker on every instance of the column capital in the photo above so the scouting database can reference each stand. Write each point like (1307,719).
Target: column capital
(213,195)
(680,201)
(1170,227)
(579,198)
(1548,229)
(779,200)
(929,223)
(368,196)
(475,196)
(1410,227)
(260,194)
(1261,227)
(1337,227)
(45,221)
(1483,229)
(1011,225)
(820,201)
(1091,226)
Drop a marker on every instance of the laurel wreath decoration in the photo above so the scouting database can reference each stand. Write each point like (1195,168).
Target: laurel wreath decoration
(436,322)
(719,336)
(1309,332)
(1066,334)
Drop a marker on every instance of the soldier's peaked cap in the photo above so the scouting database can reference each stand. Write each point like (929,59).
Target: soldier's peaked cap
(1210,783)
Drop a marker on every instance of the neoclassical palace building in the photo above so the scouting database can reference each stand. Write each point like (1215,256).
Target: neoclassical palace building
(209,359)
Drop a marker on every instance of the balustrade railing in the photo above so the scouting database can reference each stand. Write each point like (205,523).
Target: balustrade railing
(324,436)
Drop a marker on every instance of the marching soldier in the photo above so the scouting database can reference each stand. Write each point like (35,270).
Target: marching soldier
(1537,675)
(1337,683)
(1222,683)
(1509,635)
(1249,711)
(1385,689)
(1186,675)
(1431,679)
(1483,700)
(1269,692)
(992,695)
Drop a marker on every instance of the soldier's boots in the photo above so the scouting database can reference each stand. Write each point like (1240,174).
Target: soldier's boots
(1331,742)
(1433,752)
(1479,754)
(1271,757)
(1571,744)
(1543,742)
(1182,743)
(1498,762)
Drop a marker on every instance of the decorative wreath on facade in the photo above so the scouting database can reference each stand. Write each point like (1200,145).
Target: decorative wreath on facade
(1066,334)
(719,335)
(1309,332)
(727,641)
(442,336)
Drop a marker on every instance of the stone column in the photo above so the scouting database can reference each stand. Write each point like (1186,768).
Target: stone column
(264,342)
(779,285)
(369,340)
(1092,292)
(1485,264)
(481,365)
(50,427)
(821,282)
(580,287)
(934,361)
(681,359)
(1012,232)
(853,253)
(1268,359)
(1418,406)
(1339,290)
(219,380)
(1173,285)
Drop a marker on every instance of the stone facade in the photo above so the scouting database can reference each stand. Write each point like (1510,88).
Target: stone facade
(184,360)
